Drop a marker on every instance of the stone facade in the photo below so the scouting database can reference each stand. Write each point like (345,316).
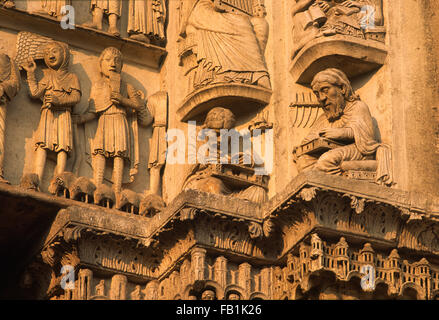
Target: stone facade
(115,183)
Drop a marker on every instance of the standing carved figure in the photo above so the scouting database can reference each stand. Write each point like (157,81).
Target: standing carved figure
(146,20)
(156,114)
(111,8)
(53,7)
(9,87)
(225,43)
(115,103)
(59,91)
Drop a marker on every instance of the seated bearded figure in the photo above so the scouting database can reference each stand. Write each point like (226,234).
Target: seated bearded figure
(347,129)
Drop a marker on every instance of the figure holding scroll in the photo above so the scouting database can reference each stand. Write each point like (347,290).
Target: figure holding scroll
(115,103)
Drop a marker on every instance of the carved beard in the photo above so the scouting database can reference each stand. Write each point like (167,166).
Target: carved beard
(333,113)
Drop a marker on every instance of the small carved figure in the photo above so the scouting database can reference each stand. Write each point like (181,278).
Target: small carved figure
(100,288)
(146,20)
(104,196)
(234,296)
(136,294)
(82,189)
(151,204)
(115,103)
(308,17)
(60,91)
(317,18)
(61,184)
(347,122)
(111,8)
(128,201)
(260,24)
(53,7)
(208,295)
(8,4)
(156,113)
(9,87)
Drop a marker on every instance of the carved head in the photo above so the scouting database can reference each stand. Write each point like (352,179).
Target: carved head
(234,296)
(110,61)
(56,55)
(333,89)
(208,295)
(219,118)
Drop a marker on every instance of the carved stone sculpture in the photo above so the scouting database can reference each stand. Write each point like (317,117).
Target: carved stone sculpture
(220,174)
(111,8)
(312,19)
(227,47)
(146,20)
(59,91)
(9,87)
(156,113)
(53,7)
(8,4)
(326,33)
(343,138)
(114,102)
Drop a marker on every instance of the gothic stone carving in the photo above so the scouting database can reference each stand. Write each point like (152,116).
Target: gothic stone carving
(115,103)
(343,139)
(101,8)
(59,91)
(222,51)
(8,4)
(219,178)
(9,87)
(346,262)
(146,21)
(328,33)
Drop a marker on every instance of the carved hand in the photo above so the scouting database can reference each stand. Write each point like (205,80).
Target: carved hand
(116,98)
(77,118)
(333,133)
(2,91)
(29,65)
(50,98)
(351,4)
(324,6)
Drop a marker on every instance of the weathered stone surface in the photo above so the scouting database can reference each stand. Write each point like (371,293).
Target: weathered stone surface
(113,166)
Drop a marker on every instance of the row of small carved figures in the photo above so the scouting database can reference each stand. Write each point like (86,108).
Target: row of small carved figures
(68,185)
